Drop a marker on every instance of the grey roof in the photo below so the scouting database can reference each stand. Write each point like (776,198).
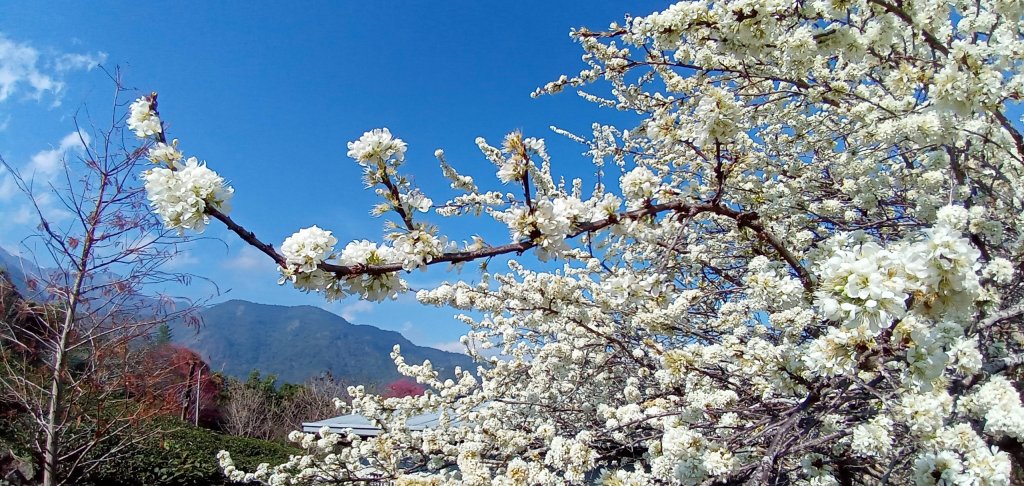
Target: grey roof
(362,427)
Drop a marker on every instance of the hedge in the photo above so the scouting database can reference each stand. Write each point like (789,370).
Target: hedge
(184,456)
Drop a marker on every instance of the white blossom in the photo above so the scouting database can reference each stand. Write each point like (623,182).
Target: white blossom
(308,248)
(180,197)
(371,287)
(167,154)
(873,438)
(143,120)
(639,184)
(376,146)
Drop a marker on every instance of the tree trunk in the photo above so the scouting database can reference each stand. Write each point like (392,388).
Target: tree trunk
(51,452)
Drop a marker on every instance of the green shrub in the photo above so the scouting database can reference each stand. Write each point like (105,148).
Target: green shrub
(184,456)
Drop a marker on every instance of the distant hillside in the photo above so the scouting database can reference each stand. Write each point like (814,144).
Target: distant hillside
(296,343)
(15,268)
(24,273)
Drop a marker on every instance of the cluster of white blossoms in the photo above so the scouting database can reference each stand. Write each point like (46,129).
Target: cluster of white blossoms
(516,157)
(166,154)
(178,192)
(958,455)
(872,438)
(373,287)
(800,265)
(998,403)
(416,200)
(181,195)
(417,248)
(377,146)
(862,284)
(639,185)
(308,248)
(381,155)
(143,120)
(227,466)
(869,290)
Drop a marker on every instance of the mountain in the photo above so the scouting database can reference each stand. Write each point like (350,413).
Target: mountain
(33,282)
(296,343)
(15,268)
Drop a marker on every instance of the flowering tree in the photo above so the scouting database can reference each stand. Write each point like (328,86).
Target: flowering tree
(801,267)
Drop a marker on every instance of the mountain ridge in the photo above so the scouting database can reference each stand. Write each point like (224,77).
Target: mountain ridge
(293,342)
(13,265)
(299,342)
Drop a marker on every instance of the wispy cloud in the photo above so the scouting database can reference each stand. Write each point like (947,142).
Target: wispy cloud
(39,172)
(46,164)
(77,62)
(22,215)
(8,188)
(248,258)
(349,311)
(26,70)
(50,207)
(458,347)
(181,260)
(451,347)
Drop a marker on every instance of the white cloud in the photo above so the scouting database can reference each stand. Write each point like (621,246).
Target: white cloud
(349,311)
(23,68)
(248,258)
(18,66)
(48,163)
(139,242)
(25,214)
(51,207)
(451,347)
(22,216)
(8,188)
(181,260)
(42,167)
(458,347)
(77,62)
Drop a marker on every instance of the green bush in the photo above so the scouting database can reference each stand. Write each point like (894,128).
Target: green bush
(185,456)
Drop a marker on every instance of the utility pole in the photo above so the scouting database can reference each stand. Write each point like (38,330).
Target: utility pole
(199,392)
(187,392)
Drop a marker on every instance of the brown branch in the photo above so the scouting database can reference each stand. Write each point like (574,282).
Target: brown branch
(767,464)
(393,190)
(246,235)
(522,246)
(1008,313)
(744,219)
(749,219)
(905,17)
(1018,139)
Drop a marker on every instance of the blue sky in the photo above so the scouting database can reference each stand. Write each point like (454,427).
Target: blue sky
(270,94)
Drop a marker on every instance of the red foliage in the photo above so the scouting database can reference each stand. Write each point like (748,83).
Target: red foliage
(403,387)
(170,375)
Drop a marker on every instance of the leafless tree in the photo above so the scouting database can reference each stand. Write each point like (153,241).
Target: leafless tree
(313,401)
(255,411)
(249,411)
(69,350)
